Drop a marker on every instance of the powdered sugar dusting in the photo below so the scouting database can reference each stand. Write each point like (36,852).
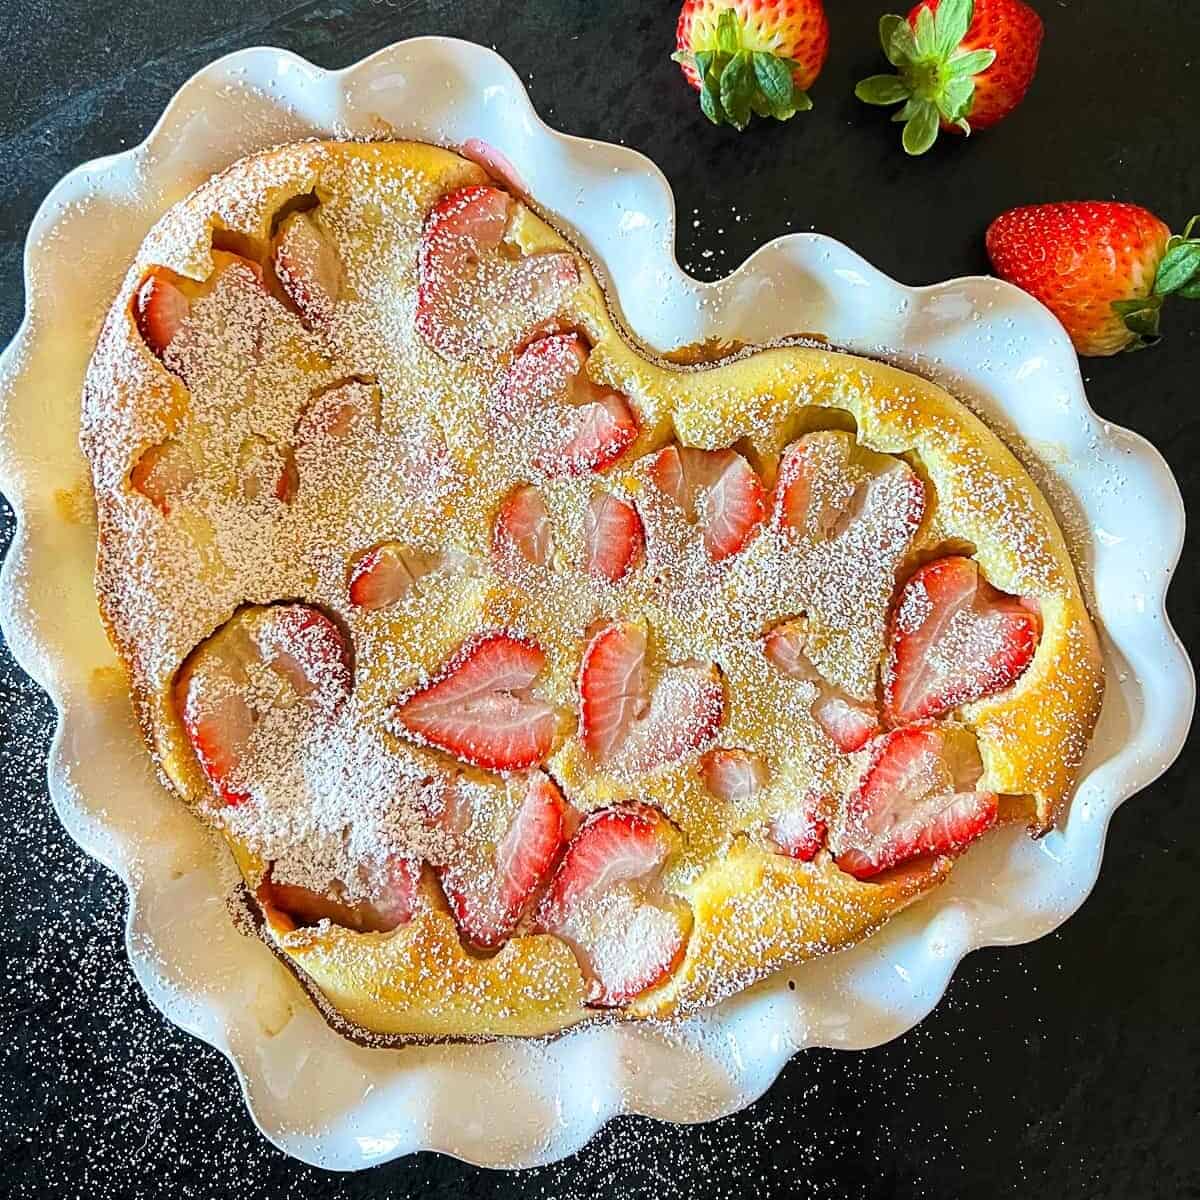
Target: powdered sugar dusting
(387,417)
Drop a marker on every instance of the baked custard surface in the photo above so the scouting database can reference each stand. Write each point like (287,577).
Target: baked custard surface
(531,677)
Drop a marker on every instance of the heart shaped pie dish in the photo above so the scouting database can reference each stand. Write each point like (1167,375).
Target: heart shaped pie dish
(533,678)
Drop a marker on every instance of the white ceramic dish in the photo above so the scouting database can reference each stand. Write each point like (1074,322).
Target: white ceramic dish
(314,1094)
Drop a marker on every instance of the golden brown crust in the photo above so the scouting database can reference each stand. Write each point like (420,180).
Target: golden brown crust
(754,911)
(419,982)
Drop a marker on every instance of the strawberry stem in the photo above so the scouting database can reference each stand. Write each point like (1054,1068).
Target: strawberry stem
(737,81)
(1178,274)
(935,78)
(1179,270)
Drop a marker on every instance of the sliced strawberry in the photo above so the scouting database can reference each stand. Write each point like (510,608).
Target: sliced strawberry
(523,527)
(489,888)
(392,902)
(473,298)
(605,903)
(794,498)
(827,483)
(337,416)
(623,722)
(800,830)
(265,659)
(494,162)
(479,707)
(395,901)
(387,573)
(733,775)
(614,540)
(163,474)
(308,267)
(471,220)
(600,431)
(716,488)
(265,469)
(849,723)
(576,425)
(220,730)
(160,308)
(612,687)
(954,639)
(917,796)
(163,303)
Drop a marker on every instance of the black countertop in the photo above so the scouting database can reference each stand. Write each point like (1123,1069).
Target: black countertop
(1067,1068)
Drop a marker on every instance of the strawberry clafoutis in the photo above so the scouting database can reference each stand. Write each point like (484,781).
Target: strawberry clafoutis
(532,679)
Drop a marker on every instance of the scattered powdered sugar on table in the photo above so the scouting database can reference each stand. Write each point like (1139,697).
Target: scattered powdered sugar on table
(127,1105)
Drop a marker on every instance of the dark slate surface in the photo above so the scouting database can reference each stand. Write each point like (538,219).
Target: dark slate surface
(1067,1068)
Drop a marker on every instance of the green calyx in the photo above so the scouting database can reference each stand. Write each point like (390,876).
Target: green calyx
(935,77)
(737,82)
(1178,274)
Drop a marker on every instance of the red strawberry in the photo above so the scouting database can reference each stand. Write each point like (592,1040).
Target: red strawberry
(612,687)
(827,483)
(496,163)
(219,730)
(733,775)
(160,308)
(265,469)
(163,301)
(336,417)
(613,537)
(308,267)
(795,505)
(799,831)
(605,902)
(751,56)
(523,527)
(961,66)
(490,897)
(849,723)
(395,903)
(577,426)
(480,708)
(391,905)
(954,638)
(386,573)
(717,488)
(622,722)
(1102,268)
(471,297)
(163,474)
(221,704)
(916,796)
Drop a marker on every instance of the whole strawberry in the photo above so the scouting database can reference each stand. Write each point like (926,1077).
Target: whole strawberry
(961,66)
(1103,268)
(749,57)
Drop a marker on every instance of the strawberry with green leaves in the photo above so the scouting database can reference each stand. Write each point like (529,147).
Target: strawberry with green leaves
(961,65)
(751,57)
(1102,267)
